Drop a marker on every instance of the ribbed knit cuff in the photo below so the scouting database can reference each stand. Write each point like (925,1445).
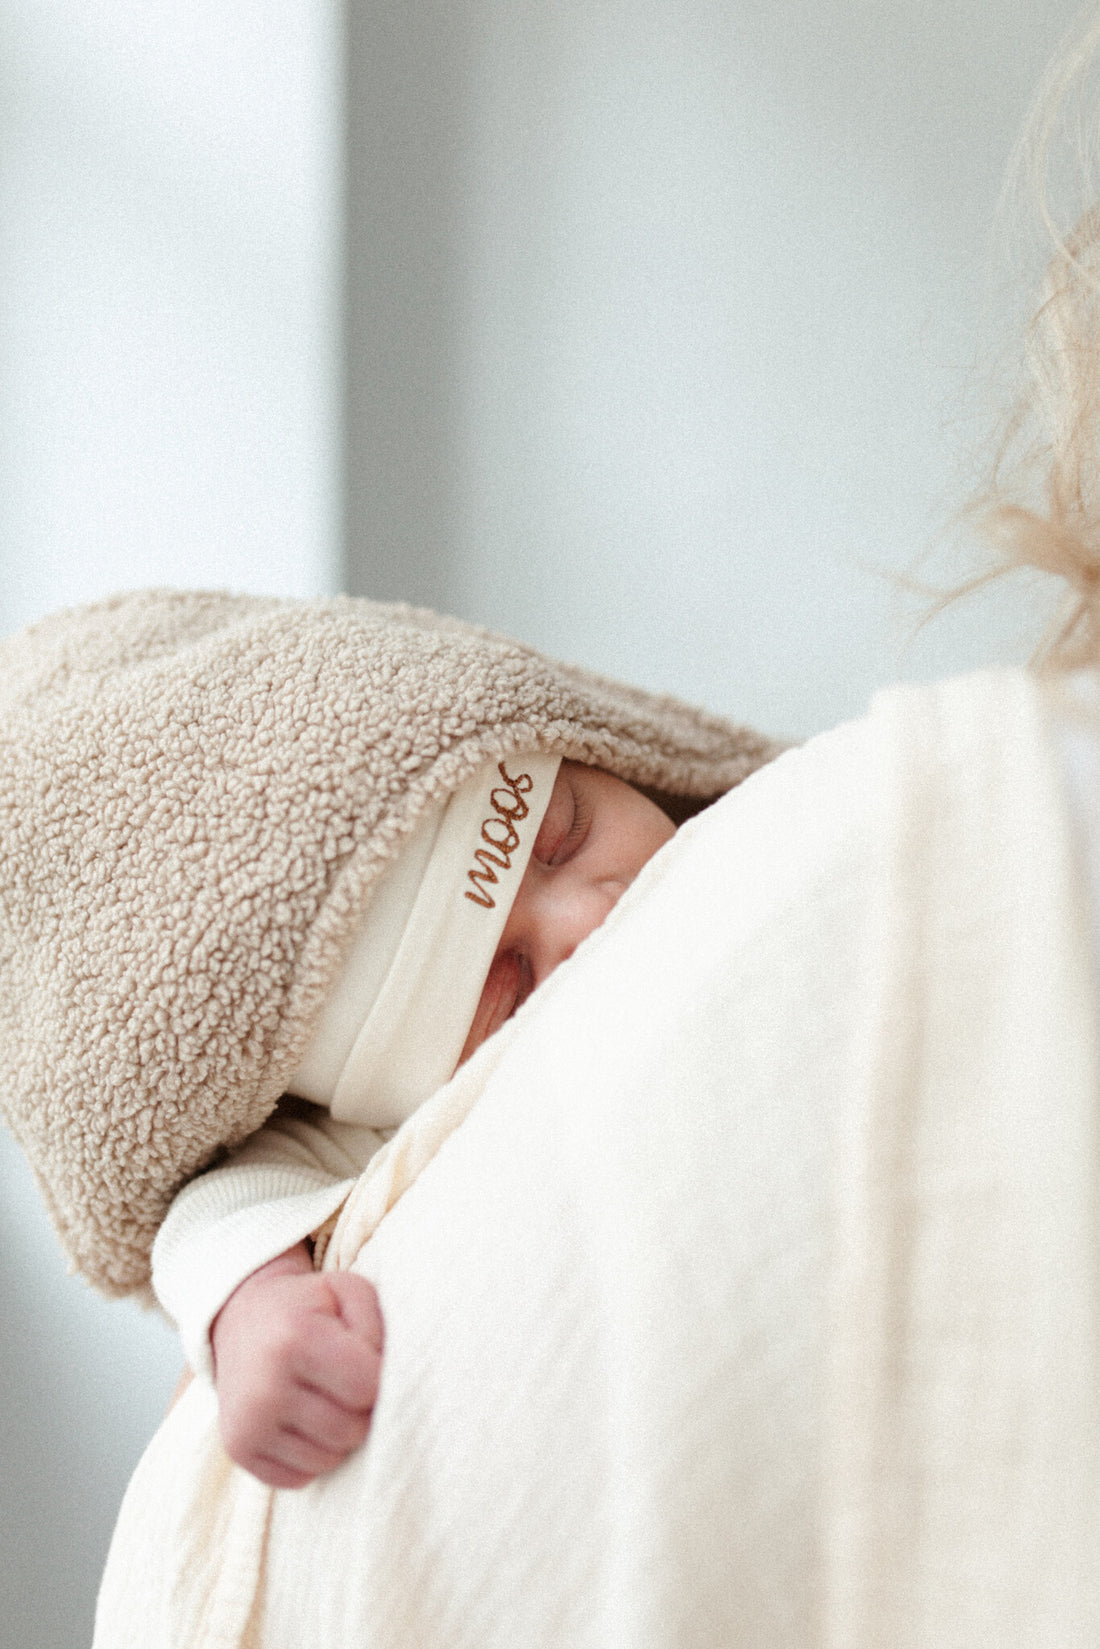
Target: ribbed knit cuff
(224,1227)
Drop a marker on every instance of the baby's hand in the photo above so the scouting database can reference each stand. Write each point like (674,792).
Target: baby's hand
(297,1355)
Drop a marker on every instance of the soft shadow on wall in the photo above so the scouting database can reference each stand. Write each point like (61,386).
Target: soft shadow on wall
(83,1386)
(408,89)
(663,323)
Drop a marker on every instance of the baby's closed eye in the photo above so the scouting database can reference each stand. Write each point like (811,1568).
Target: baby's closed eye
(565,825)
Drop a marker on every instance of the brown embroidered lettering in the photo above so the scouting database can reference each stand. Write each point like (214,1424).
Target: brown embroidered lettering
(499,833)
(506,839)
(484,876)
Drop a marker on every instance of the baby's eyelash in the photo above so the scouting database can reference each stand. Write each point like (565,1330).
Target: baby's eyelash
(581,818)
(565,826)
(574,836)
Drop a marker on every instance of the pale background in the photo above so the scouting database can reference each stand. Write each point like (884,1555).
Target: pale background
(654,333)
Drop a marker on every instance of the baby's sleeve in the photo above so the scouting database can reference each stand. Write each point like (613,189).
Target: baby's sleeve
(282,1185)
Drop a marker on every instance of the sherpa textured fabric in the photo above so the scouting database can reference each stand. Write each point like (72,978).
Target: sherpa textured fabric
(196,792)
(753,1299)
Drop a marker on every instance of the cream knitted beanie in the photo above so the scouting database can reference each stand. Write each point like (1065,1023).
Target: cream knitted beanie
(394,1023)
(197,792)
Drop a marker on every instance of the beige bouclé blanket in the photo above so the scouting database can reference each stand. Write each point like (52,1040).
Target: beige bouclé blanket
(743,1294)
(197,792)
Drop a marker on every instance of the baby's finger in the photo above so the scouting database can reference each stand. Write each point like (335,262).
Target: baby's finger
(278,1475)
(294,1461)
(358,1304)
(324,1424)
(341,1365)
(275,1455)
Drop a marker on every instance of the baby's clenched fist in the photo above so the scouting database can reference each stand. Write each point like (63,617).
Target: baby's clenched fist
(297,1356)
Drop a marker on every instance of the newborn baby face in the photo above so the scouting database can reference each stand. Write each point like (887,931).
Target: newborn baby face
(594,839)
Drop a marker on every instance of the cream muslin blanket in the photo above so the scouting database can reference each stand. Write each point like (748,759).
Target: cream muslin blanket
(744,1291)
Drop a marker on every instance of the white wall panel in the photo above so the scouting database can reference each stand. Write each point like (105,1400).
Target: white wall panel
(170,267)
(169,288)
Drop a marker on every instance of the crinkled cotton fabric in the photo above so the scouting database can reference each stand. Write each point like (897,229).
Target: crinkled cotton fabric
(742,1292)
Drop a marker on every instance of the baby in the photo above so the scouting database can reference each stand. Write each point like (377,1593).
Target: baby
(297,1353)
(252,848)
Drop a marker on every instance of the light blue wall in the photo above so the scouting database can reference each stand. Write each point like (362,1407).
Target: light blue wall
(679,332)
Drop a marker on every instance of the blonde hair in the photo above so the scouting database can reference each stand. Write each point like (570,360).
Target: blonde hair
(1041,505)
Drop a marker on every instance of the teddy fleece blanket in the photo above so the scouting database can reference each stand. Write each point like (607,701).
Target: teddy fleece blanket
(744,1291)
(197,793)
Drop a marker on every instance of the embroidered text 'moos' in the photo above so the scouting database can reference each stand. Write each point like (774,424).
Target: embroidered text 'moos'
(499,833)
